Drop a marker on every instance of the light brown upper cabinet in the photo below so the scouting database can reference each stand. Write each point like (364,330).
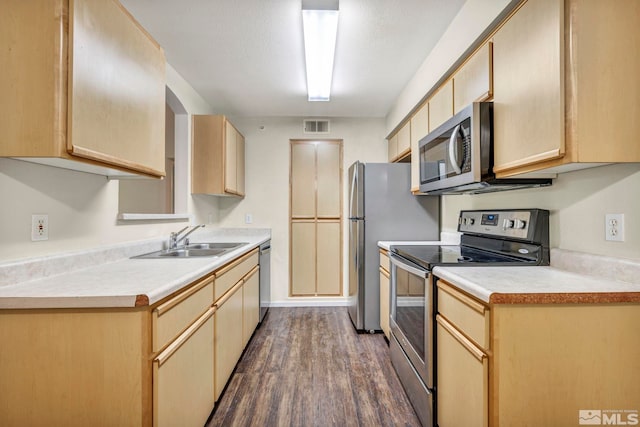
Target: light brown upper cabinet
(419,129)
(528,86)
(83,87)
(473,82)
(217,157)
(400,144)
(441,105)
(565,86)
(392,148)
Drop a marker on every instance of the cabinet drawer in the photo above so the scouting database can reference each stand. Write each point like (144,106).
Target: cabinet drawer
(463,379)
(471,317)
(183,377)
(174,316)
(384,260)
(230,274)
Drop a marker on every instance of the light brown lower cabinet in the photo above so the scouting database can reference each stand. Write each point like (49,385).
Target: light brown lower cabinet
(250,305)
(159,365)
(384,292)
(236,319)
(384,301)
(228,337)
(463,364)
(529,364)
(183,377)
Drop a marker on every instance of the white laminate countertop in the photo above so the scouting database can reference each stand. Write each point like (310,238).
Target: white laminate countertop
(537,285)
(125,282)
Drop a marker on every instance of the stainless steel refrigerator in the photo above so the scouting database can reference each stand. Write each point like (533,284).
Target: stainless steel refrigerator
(381,207)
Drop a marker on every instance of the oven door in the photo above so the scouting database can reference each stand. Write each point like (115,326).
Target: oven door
(411,315)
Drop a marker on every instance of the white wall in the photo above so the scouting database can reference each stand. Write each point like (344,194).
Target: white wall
(82,207)
(267,179)
(578,202)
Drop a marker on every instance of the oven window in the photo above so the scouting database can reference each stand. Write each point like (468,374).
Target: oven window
(410,308)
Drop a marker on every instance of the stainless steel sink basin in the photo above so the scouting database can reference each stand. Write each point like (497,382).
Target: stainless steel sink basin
(215,245)
(194,250)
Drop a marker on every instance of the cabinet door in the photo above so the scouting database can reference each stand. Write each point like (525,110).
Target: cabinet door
(473,82)
(384,301)
(404,140)
(117,89)
(463,378)
(303,258)
(230,156)
(528,67)
(228,339)
(251,305)
(419,129)
(183,377)
(393,147)
(303,181)
(329,262)
(329,189)
(240,178)
(441,105)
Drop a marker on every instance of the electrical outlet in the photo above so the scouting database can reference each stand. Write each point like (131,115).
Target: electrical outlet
(248,218)
(614,227)
(39,227)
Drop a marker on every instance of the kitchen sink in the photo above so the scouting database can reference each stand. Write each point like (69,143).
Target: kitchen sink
(216,245)
(193,250)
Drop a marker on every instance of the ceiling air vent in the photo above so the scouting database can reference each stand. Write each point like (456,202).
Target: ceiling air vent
(315,126)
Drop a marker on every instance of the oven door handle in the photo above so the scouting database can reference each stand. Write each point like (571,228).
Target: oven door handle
(404,266)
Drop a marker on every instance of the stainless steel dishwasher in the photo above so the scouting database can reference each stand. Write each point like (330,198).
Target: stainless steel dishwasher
(265,278)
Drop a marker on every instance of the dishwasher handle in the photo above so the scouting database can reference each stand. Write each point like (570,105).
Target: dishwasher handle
(265,250)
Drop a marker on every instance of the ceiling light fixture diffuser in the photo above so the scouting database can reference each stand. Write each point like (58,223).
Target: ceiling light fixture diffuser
(320,26)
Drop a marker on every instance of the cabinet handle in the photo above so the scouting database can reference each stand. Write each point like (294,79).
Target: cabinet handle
(178,342)
(229,294)
(384,272)
(235,262)
(469,302)
(471,348)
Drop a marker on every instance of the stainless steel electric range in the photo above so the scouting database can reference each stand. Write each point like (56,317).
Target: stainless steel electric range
(518,237)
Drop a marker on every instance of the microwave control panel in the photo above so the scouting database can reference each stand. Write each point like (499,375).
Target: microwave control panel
(498,223)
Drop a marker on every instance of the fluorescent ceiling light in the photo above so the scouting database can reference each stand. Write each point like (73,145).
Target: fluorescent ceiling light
(320,25)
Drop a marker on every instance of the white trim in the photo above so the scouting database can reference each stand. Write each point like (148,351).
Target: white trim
(311,302)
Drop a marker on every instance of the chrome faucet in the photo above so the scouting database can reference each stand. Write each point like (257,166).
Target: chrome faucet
(173,237)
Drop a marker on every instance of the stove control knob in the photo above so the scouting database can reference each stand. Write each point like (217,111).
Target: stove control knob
(471,221)
(507,223)
(518,223)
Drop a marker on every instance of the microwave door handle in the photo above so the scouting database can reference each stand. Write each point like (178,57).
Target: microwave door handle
(453,157)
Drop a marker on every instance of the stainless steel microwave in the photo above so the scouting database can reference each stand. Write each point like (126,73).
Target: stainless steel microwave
(457,156)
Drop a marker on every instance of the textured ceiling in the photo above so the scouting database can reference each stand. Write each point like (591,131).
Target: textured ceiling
(246,58)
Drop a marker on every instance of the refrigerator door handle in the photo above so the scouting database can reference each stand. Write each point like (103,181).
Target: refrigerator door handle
(353,186)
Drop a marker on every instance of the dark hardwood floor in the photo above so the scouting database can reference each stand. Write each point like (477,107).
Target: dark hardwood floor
(308,367)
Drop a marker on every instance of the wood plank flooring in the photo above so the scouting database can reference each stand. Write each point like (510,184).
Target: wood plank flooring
(306,366)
